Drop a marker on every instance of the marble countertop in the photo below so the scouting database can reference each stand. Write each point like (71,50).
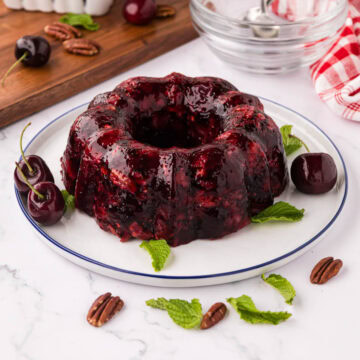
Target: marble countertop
(44,298)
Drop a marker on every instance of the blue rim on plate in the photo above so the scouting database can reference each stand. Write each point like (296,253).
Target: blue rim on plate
(93,261)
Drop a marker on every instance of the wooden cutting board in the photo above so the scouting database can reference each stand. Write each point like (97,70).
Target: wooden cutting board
(28,90)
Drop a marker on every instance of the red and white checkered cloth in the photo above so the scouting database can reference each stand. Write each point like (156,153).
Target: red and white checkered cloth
(336,75)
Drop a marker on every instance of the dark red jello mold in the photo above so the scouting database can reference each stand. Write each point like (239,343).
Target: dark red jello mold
(174,158)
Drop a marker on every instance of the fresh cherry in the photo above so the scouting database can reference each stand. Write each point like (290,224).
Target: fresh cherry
(31,51)
(45,202)
(33,167)
(314,173)
(49,209)
(139,12)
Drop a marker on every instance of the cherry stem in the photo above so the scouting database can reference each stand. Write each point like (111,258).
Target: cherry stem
(22,151)
(303,144)
(41,196)
(11,68)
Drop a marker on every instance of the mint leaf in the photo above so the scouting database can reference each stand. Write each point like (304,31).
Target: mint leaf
(159,251)
(282,285)
(69,200)
(248,312)
(187,315)
(281,211)
(291,142)
(159,303)
(84,20)
(183,313)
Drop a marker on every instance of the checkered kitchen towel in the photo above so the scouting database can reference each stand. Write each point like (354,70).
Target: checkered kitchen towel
(336,75)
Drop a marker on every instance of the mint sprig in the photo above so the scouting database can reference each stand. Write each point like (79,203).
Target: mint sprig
(291,142)
(249,312)
(159,251)
(184,313)
(159,303)
(69,200)
(280,211)
(84,20)
(282,285)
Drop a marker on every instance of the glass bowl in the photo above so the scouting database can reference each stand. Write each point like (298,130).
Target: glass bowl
(299,33)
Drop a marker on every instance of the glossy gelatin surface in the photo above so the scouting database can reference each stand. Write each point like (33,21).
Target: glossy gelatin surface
(174,158)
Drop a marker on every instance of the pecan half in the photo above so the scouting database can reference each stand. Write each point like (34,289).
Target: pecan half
(164,11)
(62,31)
(325,269)
(103,309)
(215,314)
(81,47)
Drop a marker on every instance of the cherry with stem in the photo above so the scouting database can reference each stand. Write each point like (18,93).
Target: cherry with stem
(45,202)
(31,51)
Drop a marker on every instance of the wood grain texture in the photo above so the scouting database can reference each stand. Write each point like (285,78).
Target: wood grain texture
(123,46)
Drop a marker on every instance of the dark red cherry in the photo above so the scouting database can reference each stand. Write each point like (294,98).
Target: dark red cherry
(33,167)
(31,51)
(314,173)
(36,48)
(49,208)
(40,172)
(45,201)
(139,12)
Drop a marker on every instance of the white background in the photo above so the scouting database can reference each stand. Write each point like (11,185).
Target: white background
(44,298)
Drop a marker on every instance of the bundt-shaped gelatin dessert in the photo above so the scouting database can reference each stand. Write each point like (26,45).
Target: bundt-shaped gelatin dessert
(174,158)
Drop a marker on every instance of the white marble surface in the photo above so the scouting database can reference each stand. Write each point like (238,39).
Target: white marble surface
(44,298)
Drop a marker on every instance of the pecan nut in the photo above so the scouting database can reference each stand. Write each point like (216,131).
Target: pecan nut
(325,269)
(62,31)
(164,11)
(103,309)
(81,47)
(215,314)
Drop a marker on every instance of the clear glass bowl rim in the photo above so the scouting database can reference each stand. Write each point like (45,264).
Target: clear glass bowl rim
(316,20)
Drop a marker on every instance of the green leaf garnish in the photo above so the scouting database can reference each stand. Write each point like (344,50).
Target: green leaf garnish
(183,313)
(281,211)
(159,251)
(84,20)
(248,312)
(69,200)
(282,285)
(159,303)
(291,142)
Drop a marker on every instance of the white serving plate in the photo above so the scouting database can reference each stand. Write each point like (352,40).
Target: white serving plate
(251,251)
